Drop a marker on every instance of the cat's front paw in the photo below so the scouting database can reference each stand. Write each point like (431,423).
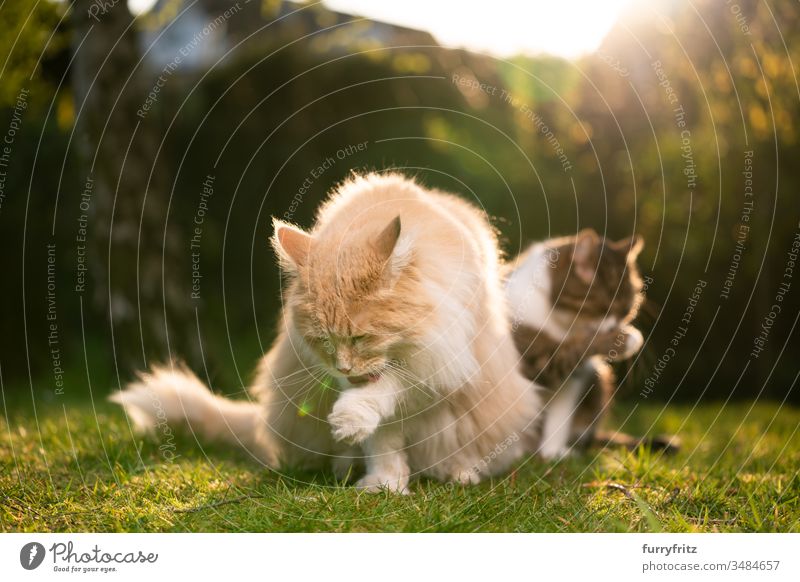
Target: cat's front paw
(633,342)
(624,343)
(352,420)
(377,482)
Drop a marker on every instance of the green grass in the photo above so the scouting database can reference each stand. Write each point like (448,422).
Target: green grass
(81,470)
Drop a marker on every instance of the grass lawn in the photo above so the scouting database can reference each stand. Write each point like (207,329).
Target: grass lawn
(80,469)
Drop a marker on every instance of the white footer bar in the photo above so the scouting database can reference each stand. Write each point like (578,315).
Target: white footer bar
(400,557)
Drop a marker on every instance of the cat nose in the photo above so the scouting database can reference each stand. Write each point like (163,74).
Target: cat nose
(344,370)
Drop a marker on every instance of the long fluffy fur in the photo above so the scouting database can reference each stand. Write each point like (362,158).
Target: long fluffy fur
(173,395)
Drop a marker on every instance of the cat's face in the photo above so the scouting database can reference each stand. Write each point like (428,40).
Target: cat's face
(596,279)
(353,297)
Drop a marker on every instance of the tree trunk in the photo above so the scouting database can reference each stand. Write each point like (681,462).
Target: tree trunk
(128,234)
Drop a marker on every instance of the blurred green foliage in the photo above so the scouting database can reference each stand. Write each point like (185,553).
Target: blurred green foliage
(30,40)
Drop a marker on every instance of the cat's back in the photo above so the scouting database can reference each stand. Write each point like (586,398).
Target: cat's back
(366,199)
(432,218)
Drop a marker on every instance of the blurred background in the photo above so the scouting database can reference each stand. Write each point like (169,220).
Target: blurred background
(145,146)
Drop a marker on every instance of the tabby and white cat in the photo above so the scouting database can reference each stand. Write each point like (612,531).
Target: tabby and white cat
(396,293)
(572,300)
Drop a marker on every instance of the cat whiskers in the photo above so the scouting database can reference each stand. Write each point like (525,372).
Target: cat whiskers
(413,381)
(307,380)
(308,370)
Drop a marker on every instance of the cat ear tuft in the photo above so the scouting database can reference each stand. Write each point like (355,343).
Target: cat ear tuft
(636,246)
(291,244)
(584,256)
(387,239)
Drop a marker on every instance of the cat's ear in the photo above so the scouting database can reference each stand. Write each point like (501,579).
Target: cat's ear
(392,251)
(291,244)
(630,247)
(386,241)
(584,257)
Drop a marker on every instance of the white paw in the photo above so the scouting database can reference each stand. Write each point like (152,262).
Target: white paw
(352,420)
(377,482)
(466,477)
(551,452)
(633,343)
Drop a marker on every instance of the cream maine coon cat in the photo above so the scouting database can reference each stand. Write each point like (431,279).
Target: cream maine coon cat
(396,294)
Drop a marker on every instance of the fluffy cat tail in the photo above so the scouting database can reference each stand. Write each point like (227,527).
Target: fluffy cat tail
(173,396)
